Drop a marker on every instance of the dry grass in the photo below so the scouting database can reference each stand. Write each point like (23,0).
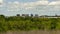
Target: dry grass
(31,32)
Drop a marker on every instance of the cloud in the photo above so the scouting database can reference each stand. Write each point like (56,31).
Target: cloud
(37,3)
(32,4)
(29,5)
(43,0)
(1,1)
(54,3)
(40,6)
(54,6)
(56,0)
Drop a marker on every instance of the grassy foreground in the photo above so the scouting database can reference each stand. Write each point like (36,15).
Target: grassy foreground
(15,23)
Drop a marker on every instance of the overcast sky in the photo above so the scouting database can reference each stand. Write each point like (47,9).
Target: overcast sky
(41,7)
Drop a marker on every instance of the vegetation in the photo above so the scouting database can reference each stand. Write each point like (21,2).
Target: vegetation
(28,23)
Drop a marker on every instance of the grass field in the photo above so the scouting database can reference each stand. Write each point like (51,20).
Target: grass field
(29,25)
(31,32)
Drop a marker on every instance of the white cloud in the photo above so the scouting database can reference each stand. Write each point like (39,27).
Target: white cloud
(17,5)
(56,0)
(54,6)
(36,3)
(54,3)
(16,2)
(1,1)
(43,0)
(34,6)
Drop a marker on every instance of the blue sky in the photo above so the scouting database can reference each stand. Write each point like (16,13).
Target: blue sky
(22,0)
(27,0)
(45,7)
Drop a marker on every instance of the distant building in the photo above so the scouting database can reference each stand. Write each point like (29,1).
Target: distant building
(18,14)
(45,16)
(36,15)
(25,15)
(31,15)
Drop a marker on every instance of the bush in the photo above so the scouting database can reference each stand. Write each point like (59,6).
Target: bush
(28,23)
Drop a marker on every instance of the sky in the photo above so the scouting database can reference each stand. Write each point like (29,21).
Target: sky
(40,7)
